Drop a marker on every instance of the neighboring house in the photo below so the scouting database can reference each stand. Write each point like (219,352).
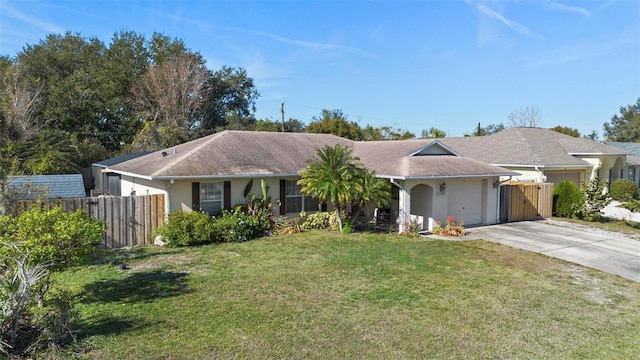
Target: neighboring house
(431,179)
(46,186)
(544,155)
(632,171)
(105,182)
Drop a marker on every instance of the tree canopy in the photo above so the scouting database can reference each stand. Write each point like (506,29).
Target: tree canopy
(528,116)
(335,122)
(71,93)
(566,130)
(433,133)
(487,130)
(624,127)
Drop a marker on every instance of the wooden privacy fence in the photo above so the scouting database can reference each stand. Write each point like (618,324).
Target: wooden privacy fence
(130,219)
(521,201)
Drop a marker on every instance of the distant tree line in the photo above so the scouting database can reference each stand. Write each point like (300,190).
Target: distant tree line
(70,100)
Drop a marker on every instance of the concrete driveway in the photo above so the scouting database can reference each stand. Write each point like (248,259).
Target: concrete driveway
(611,252)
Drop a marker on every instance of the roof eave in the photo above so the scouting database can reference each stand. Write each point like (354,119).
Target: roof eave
(545,166)
(596,154)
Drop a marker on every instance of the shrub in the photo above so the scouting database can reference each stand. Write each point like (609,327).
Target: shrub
(287,226)
(52,235)
(319,220)
(187,228)
(233,226)
(623,189)
(567,199)
(452,228)
(632,205)
(595,199)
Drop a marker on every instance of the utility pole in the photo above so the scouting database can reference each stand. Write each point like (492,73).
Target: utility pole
(282,111)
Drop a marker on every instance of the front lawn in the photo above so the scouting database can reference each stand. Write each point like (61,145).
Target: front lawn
(325,295)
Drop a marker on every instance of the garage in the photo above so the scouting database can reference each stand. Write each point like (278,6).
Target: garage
(465,201)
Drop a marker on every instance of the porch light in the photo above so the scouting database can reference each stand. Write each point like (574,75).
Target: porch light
(443,187)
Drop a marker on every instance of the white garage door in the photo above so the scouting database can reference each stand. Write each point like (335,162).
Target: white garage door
(556,176)
(465,201)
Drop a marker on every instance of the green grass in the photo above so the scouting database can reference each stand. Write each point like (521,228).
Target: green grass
(626,227)
(323,295)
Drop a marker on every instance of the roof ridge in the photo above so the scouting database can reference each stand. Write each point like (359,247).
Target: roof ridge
(190,153)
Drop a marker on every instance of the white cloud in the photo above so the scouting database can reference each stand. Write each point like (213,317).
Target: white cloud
(574,9)
(30,20)
(304,44)
(521,29)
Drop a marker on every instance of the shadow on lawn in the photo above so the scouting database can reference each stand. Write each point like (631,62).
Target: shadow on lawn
(109,326)
(137,287)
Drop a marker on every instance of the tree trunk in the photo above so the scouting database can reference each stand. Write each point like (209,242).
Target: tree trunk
(338,216)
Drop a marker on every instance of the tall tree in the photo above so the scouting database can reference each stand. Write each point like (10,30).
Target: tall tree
(624,127)
(566,130)
(127,60)
(169,99)
(333,176)
(70,69)
(19,102)
(528,116)
(231,94)
(335,122)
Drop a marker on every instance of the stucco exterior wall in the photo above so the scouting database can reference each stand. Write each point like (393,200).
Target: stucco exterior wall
(471,200)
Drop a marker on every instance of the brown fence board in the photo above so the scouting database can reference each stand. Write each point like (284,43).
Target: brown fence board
(130,219)
(525,201)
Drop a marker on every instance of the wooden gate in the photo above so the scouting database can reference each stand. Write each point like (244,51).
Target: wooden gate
(521,201)
(130,219)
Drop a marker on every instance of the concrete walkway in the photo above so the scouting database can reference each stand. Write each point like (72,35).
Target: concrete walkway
(611,252)
(613,210)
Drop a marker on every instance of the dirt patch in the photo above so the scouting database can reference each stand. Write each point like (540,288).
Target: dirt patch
(162,261)
(593,285)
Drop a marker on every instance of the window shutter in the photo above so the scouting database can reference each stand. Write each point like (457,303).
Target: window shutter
(226,192)
(195,196)
(323,206)
(283,197)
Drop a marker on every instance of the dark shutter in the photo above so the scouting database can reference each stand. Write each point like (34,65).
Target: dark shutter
(195,196)
(283,197)
(323,207)
(226,192)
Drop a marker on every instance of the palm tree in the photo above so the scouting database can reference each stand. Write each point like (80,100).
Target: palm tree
(333,176)
(374,190)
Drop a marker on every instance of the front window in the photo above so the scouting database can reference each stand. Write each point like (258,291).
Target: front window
(296,202)
(211,197)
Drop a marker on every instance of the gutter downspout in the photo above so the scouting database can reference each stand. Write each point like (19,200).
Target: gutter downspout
(400,223)
(167,207)
(542,179)
(498,220)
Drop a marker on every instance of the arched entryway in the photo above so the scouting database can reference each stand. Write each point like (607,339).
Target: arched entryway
(422,204)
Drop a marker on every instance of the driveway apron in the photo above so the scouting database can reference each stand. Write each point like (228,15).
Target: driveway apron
(611,252)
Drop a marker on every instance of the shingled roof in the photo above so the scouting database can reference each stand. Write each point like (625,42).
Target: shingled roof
(31,187)
(232,154)
(530,146)
(399,159)
(250,153)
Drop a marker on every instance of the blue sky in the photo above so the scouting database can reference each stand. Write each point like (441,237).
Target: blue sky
(406,64)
